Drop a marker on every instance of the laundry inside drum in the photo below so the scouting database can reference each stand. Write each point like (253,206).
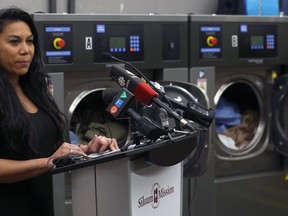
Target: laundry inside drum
(237,117)
(90,118)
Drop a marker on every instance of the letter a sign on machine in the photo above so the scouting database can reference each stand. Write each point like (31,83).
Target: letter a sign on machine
(88,43)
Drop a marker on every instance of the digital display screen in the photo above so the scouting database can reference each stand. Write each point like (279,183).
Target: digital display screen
(257,40)
(117,42)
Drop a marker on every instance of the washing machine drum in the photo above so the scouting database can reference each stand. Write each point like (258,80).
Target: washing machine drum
(196,163)
(89,118)
(279,122)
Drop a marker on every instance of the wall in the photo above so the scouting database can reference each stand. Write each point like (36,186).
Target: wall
(146,6)
(28,5)
(118,6)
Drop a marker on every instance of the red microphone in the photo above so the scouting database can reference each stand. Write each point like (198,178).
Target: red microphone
(144,93)
(141,90)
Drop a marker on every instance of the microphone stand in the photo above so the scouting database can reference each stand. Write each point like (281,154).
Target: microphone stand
(136,138)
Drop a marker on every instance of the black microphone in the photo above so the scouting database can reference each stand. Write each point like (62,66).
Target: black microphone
(108,94)
(146,126)
(120,105)
(194,111)
(119,101)
(143,92)
(109,57)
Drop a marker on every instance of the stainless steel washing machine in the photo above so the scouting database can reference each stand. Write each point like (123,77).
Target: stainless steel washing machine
(279,110)
(245,54)
(73,44)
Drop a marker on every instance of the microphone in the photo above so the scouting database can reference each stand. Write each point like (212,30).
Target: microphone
(145,125)
(108,94)
(194,111)
(118,99)
(143,92)
(121,106)
(158,115)
(109,57)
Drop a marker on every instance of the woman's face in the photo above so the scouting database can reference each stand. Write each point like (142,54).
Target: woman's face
(16,48)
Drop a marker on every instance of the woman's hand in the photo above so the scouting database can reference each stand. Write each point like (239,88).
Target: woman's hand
(68,149)
(100,144)
(97,144)
(63,150)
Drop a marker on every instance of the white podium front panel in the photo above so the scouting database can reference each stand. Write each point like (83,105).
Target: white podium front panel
(157,191)
(133,188)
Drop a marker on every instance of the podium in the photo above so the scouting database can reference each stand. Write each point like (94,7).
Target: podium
(143,180)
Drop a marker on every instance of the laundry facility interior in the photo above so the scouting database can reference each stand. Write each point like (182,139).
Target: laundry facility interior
(226,57)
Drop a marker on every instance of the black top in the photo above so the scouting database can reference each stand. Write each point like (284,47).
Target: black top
(33,197)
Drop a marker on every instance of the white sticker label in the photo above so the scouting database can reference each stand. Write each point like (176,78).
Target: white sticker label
(202,84)
(88,43)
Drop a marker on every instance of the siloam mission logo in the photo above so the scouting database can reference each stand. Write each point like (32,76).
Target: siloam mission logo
(157,194)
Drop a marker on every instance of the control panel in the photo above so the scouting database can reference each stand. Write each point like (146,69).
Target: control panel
(237,40)
(58,44)
(123,40)
(253,41)
(77,42)
(210,42)
(257,40)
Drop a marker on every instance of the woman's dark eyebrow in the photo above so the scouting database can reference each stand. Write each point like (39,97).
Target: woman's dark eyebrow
(16,36)
(13,36)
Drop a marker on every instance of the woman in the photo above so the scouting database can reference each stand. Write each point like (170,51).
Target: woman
(31,126)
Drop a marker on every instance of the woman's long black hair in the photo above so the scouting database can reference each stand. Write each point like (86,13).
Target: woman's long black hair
(14,121)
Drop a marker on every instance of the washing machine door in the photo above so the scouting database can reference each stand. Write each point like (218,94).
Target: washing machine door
(87,115)
(279,121)
(241,117)
(242,125)
(196,163)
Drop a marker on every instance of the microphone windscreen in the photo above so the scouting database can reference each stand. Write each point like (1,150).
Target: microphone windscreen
(144,93)
(108,95)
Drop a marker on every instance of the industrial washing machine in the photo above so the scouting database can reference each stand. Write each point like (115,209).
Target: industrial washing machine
(73,46)
(245,56)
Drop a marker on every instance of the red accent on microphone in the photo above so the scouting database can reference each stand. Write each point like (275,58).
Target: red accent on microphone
(144,93)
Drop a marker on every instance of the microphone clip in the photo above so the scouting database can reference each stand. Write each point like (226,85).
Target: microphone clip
(135,140)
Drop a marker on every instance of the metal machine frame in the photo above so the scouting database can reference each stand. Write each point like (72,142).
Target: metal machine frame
(224,47)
